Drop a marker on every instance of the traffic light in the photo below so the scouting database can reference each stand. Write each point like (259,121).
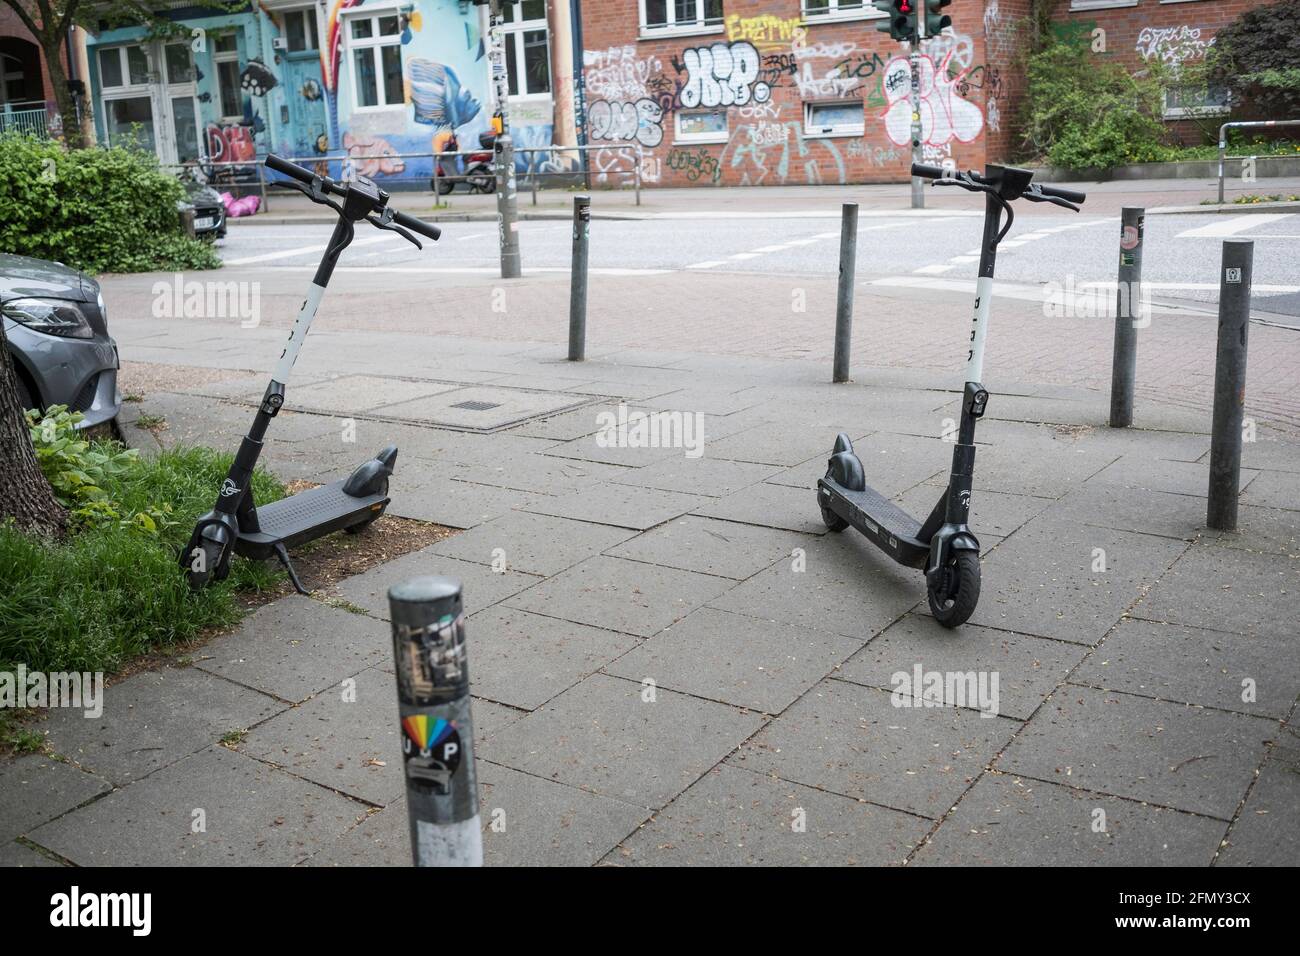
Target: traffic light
(901,24)
(934,20)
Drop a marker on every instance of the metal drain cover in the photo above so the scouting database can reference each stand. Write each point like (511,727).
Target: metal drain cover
(477,406)
(482,408)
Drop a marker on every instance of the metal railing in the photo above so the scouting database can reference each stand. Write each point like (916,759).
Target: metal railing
(1223,142)
(31,120)
(532,174)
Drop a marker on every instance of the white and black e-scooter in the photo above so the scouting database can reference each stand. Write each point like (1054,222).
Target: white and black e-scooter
(237,525)
(943,545)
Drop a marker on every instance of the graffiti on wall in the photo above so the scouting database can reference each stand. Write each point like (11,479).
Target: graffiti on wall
(723,74)
(765,31)
(1173,44)
(230,143)
(641,122)
(370,157)
(945,115)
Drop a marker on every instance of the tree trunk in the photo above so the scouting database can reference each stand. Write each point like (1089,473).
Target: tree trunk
(25,495)
(73,135)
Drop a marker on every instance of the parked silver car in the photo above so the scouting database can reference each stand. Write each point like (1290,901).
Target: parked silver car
(57,330)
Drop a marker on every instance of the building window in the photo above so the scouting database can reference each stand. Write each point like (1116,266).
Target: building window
(300,30)
(123,66)
(225,60)
(680,16)
(527,42)
(180,66)
(1210,100)
(376,46)
(1100,4)
(701,126)
(839,9)
(834,119)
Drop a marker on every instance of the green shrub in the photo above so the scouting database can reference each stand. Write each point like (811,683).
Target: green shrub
(108,592)
(1081,112)
(1258,57)
(101,210)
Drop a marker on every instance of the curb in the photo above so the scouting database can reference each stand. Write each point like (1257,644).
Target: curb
(1235,209)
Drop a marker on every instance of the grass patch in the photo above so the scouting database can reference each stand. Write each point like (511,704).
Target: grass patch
(110,592)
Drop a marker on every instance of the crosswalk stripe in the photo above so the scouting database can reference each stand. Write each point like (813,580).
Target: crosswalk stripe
(1233,226)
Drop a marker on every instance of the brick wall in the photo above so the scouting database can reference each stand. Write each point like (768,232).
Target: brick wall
(14,37)
(1172,31)
(768,63)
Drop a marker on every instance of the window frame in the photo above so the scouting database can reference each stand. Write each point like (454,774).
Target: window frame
(841,131)
(696,27)
(375,42)
(227,56)
(701,139)
(513,32)
(1101,4)
(833,13)
(310,30)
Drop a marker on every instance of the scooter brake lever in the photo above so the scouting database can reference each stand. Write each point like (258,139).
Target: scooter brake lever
(385,221)
(1033,195)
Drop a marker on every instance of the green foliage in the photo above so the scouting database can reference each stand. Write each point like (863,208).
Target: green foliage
(1258,57)
(101,210)
(1082,112)
(107,592)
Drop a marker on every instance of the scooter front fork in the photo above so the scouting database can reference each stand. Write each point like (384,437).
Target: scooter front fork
(948,525)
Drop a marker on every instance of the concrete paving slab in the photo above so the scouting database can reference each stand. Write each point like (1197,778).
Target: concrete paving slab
(1175,477)
(154,718)
(732,817)
(353,394)
(253,815)
(770,506)
(1270,450)
(524,659)
(602,736)
(620,595)
(736,659)
(598,448)
(708,546)
(35,789)
(1261,529)
(1040,460)
(714,477)
(1041,580)
(777,443)
(481,586)
(890,463)
(456,504)
(1227,589)
(532,543)
(13,854)
(480,407)
(1274,489)
(1028,668)
(618,505)
(540,474)
(1187,758)
(993,514)
(846,588)
(347,738)
(1011,821)
(1197,666)
(566,426)
(1105,505)
(296,647)
(1267,831)
(852,740)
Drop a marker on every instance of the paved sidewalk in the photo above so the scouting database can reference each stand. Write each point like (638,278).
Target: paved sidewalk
(1147,670)
(1157,196)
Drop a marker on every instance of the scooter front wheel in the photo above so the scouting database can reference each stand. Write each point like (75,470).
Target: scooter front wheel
(205,564)
(956,591)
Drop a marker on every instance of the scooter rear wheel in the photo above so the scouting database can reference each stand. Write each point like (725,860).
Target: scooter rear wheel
(957,591)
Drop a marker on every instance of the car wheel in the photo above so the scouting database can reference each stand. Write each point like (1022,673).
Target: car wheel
(24,394)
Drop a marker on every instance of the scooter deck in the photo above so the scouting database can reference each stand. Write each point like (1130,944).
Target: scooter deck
(306,516)
(889,526)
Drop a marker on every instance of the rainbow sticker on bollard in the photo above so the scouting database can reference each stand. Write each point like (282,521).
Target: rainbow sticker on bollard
(437,733)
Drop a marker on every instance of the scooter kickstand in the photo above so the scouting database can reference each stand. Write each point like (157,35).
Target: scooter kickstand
(282,553)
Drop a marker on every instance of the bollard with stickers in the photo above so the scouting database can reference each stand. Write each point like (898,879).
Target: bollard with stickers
(1128,304)
(437,734)
(578,279)
(1229,384)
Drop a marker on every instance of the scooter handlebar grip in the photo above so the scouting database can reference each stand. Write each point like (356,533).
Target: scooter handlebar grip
(1069,195)
(417,225)
(292,170)
(927,172)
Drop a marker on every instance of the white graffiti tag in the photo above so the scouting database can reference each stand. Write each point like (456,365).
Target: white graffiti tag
(640,121)
(724,74)
(945,116)
(1172,44)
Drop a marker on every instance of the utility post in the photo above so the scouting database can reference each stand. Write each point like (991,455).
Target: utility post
(507,197)
(914,63)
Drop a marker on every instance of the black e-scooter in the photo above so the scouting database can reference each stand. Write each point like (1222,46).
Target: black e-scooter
(943,546)
(236,525)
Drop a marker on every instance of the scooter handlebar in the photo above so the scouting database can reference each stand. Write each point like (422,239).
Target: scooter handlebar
(1069,195)
(928,172)
(307,177)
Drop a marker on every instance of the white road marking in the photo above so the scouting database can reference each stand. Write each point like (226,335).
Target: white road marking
(305,250)
(1233,226)
(745,255)
(935,269)
(706,265)
(477,235)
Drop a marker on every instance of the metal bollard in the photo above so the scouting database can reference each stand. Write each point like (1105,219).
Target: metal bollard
(507,208)
(844,295)
(1123,373)
(1229,384)
(578,280)
(437,733)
